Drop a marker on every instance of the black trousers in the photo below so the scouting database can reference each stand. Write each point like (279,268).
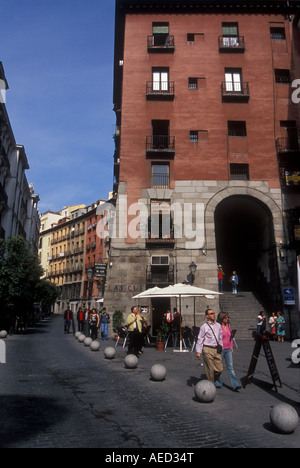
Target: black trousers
(136,341)
(94,332)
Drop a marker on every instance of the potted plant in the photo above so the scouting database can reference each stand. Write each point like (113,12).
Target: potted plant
(118,320)
(162,335)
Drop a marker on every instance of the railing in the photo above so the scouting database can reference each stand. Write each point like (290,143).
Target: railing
(231,44)
(286,145)
(164,89)
(161,43)
(164,278)
(235,90)
(160,143)
(160,181)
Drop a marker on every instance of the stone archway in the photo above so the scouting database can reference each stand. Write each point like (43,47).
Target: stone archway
(247,229)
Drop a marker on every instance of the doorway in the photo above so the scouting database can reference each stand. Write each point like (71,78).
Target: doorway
(245,242)
(159,308)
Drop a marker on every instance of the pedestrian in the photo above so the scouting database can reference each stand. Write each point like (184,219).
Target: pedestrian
(227,352)
(104,321)
(272,323)
(234,280)
(80,319)
(220,278)
(210,343)
(135,328)
(280,323)
(261,323)
(94,324)
(68,319)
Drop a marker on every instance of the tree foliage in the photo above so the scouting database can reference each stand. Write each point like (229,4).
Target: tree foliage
(20,271)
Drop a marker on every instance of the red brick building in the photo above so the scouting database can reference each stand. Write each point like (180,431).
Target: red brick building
(206,121)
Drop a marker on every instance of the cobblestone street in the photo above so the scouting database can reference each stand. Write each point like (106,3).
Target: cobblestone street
(55,392)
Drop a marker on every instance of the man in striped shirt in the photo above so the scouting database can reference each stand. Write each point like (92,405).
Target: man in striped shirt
(209,344)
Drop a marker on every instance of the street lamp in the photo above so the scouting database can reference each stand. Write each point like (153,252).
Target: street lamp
(191,275)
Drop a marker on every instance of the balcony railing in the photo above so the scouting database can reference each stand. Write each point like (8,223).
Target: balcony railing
(235,91)
(160,181)
(287,145)
(234,44)
(161,43)
(160,90)
(164,278)
(163,144)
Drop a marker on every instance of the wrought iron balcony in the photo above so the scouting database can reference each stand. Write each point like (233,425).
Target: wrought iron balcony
(160,144)
(235,91)
(233,44)
(162,43)
(163,278)
(287,145)
(160,90)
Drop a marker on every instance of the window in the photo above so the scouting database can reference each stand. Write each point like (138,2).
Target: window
(160,33)
(277,34)
(194,136)
(193,83)
(233,79)
(160,79)
(237,128)
(160,175)
(282,76)
(239,171)
(191,37)
(230,32)
(197,82)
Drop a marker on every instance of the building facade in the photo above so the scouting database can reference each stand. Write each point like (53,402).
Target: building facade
(207,150)
(76,256)
(18,202)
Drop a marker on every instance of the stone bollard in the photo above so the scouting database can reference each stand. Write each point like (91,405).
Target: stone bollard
(131,361)
(284,418)
(81,338)
(3,334)
(109,352)
(95,345)
(205,391)
(158,372)
(88,341)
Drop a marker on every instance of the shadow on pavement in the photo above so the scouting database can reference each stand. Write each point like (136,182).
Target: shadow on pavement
(23,416)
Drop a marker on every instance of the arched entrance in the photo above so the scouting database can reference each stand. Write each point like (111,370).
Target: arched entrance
(245,242)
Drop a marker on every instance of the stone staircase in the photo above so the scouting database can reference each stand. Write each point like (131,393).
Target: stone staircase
(243,310)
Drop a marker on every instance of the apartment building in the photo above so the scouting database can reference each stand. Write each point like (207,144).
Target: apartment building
(207,149)
(77,258)
(18,202)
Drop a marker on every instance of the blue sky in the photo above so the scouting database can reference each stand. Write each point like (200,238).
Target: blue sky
(58,61)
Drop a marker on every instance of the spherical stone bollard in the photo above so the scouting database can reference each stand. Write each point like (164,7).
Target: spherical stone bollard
(205,391)
(81,338)
(284,418)
(131,361)
(95,345)
(109,352)
(3,334)
(158,372)
(88,341)
(77,335)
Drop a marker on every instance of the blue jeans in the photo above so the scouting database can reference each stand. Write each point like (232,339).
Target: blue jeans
(234,287)
(104,330)
(227,355)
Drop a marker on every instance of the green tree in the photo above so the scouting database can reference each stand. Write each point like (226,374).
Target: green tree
(46,294)
(20,271)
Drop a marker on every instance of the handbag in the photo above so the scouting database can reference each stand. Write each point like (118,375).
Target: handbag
(219,347)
